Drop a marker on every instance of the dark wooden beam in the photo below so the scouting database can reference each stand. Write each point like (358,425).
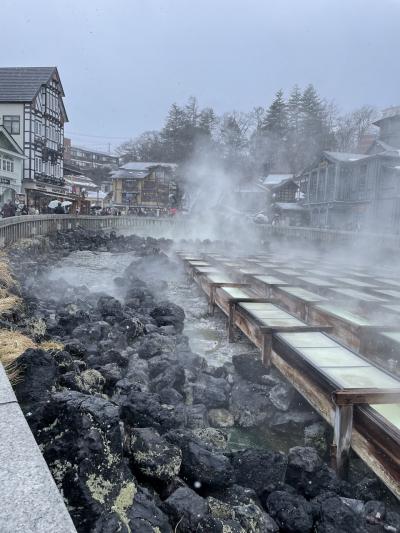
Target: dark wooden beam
(361,396)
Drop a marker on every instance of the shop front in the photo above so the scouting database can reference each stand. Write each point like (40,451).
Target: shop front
(39,195)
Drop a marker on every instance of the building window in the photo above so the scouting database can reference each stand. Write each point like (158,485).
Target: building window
(362,182)
(38,164)
(7,164)
(12,124)
(38,128)
(313,186)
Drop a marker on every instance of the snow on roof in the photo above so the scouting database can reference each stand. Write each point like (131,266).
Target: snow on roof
(94,195)
(275,179)
(129,174)
(345,156)
(145,165)
(98,152)
(82,181)
(388,148)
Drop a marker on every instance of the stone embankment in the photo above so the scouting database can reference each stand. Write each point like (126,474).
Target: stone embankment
(133,425)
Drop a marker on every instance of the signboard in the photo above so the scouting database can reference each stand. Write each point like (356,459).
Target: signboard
(46,188)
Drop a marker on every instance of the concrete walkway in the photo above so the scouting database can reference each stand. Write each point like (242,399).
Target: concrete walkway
(30,500)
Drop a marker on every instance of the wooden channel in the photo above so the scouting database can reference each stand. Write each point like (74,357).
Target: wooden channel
(348,390)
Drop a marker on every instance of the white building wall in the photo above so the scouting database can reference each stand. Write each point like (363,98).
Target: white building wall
(14,109)
(10,180)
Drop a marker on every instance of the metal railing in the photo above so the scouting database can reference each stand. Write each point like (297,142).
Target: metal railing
(24,227)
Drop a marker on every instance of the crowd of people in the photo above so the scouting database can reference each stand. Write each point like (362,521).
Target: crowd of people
(11,209)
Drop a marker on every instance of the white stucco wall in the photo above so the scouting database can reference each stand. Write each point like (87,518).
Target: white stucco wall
(14,109)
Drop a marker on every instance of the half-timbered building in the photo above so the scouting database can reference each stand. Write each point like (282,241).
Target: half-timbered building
(32,111)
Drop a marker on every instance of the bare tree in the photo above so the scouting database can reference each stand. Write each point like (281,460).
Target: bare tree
(352,127)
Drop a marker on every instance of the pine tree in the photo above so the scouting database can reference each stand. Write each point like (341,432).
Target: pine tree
(173,134)
(207,121)
(276,119)
(192,112)
(316,131)
(294,108)
(293,141)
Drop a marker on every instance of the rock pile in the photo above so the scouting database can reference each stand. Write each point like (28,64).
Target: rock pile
(132,423)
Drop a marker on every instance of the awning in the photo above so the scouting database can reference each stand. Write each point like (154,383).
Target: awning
(53,195)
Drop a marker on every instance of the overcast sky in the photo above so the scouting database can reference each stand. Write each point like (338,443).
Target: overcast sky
(123,62)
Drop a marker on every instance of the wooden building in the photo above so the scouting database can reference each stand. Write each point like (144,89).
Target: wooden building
(281,187)
(357,191)
(143,184)
(282,206)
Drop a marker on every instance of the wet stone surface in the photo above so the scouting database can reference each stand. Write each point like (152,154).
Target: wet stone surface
(150,421)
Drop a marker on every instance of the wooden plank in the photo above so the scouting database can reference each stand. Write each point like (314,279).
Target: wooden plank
(342,433)
(266,349)
(368,396)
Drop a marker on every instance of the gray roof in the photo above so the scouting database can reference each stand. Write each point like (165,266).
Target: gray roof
(21,84)
(145,165)
(129,174)
(275,179)
(77,147)
(387,149)
(345,156)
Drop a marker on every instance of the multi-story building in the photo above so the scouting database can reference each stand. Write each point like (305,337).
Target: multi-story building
(32,111)
(358,191)
(85,158)
(141,184)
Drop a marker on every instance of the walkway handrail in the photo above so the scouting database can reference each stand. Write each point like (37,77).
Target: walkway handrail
(15,228)
(330,235)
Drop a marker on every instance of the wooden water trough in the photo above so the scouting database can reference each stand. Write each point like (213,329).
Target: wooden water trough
(340,384)
(350,328)
(296,299)
(360,400)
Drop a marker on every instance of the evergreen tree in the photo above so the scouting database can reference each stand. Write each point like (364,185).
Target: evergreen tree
(207,121)
(294,108)
(293,142)
(173,134)
(275,121)
(316,132)
(192,112)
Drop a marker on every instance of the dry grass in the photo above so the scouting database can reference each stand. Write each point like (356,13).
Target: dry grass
(10,303)
(6,278)
(51,345)
(12,345)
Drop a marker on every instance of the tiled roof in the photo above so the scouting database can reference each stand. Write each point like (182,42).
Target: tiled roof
(21,84)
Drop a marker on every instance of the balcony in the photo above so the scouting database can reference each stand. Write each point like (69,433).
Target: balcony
(51,180)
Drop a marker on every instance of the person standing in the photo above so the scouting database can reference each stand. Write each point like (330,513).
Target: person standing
(59,210)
